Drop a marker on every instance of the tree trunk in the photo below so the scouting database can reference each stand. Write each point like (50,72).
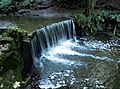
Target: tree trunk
(90,4)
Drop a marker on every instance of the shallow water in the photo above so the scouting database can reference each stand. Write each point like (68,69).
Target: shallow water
(83,64)
(30,23)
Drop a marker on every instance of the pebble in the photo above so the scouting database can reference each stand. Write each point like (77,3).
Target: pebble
(66,75)
(97,82)
(1,86)
(52,77)
(4,47)
(97,86)
(101,86)
(87,79)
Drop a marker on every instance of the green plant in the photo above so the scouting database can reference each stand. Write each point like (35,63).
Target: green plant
(88,24)
(5,3)
(11,60)
(118,18)
(104,21)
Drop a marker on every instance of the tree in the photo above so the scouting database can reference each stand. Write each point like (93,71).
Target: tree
(90,5)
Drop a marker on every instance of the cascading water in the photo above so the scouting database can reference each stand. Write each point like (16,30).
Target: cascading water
(63,61)
(49,36)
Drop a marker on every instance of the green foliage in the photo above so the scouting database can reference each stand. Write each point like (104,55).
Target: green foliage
(118,18)
(103,21)
(11,59)
(11,6)
(5,3)
(27,2)
(102,16)
(15,33)
(83,20)
(87,24)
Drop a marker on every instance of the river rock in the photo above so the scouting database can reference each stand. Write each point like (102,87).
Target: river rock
(23,11)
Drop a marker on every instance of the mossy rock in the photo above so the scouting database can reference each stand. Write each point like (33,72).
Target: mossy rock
(5,40)
(11,32)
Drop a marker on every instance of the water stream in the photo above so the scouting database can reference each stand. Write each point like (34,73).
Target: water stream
(29,23)
(64,62)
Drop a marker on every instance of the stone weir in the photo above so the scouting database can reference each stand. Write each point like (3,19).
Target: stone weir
(49,36)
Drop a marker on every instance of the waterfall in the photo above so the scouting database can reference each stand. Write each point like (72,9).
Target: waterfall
(58,59)
(50,36)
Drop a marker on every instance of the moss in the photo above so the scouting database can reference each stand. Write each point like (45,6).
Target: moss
(11,61)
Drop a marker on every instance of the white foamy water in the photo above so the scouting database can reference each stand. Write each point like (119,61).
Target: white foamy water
(46,84)
(64,48)
(55,54)
(97,45)
(67,48)
(55,49)
(60,60)
(59,57)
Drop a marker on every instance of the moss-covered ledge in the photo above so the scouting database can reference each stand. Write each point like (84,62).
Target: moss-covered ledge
(15,59)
